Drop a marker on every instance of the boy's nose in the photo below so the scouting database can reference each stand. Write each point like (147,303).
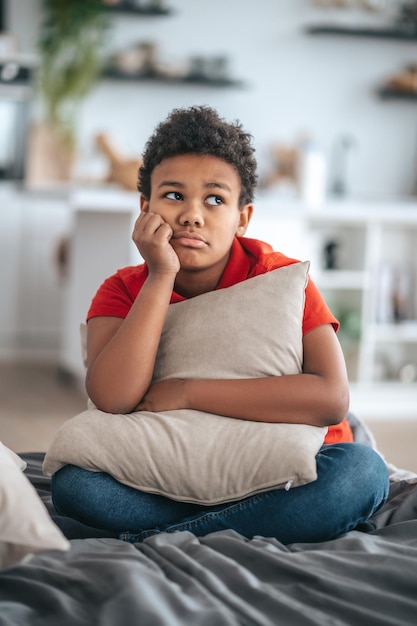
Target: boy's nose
(192,216)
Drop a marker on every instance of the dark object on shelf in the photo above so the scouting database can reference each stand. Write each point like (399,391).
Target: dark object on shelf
(113,74)
(12,73)
(330,256)
(396,32)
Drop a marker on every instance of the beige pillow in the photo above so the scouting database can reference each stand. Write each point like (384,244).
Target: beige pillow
(25,525)
(249,330)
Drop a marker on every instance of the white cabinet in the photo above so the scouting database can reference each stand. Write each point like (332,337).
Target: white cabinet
(32,226)
(364,261)
(100,244)
(367,270)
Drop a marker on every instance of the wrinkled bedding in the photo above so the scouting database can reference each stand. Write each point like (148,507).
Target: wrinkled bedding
(367,577)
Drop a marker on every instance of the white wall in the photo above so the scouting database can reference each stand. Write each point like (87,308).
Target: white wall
(295,83)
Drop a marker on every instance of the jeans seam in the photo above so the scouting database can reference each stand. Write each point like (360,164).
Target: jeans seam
(183,526)
(212,515)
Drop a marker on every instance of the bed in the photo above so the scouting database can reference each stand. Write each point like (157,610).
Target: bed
(366,577)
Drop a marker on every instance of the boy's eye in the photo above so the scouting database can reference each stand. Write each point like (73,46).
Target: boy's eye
(174,195)
(214,200)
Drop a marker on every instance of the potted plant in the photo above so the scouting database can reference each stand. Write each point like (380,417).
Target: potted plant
(70,42)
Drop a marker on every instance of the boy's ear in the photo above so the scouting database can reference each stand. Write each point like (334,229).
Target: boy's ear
(245,215)
(144,204)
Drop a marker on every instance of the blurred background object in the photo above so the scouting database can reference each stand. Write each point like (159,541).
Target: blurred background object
(339,185)
(283,169)
(16,95)
(15,102)
(312,174)
(70,41)
(122,171)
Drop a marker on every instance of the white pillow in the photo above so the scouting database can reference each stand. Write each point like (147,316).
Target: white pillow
(25,525)
(252,329)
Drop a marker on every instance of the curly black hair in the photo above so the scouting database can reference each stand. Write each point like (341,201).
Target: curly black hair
(200,130)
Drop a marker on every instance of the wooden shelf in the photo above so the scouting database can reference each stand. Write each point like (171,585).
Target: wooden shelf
(387,93)
(132,9)
(394,33)
(111,74)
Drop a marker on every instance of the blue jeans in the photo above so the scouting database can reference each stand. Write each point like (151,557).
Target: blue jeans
(352,484)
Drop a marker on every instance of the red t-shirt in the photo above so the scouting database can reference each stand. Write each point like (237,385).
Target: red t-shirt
(248,258)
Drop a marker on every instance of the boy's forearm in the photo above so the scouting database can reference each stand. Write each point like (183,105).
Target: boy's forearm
(300,398)
(122,372)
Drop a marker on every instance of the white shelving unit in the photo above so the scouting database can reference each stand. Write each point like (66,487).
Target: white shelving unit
(373,240)
(365,238)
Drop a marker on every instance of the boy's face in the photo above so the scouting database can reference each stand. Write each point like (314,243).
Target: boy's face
(198,196)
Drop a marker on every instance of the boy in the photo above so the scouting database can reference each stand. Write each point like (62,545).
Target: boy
(197,184)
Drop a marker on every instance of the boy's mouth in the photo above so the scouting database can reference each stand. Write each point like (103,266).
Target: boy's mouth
(190,240)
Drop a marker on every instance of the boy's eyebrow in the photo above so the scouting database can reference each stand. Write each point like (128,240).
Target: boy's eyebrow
(224,186)
(212,185)
(169,183)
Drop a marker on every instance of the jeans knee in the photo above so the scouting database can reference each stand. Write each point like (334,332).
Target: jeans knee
(371,467)
(64,489)
(357,470)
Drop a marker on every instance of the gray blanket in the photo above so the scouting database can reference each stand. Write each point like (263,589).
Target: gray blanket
(367,577)
(221,579)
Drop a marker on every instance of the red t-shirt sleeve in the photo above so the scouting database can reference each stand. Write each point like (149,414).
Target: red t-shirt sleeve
(112,299)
